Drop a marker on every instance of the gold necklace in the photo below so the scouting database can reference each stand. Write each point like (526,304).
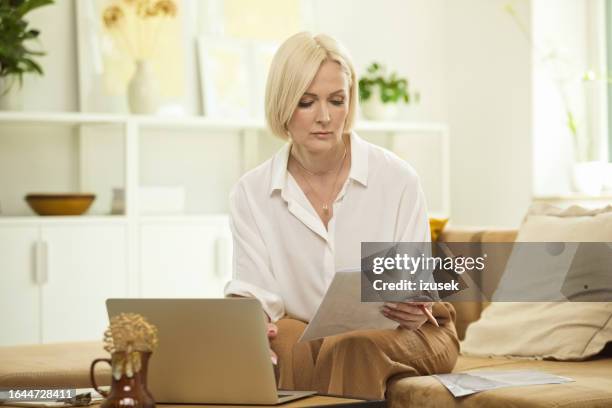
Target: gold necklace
(313,173)
(325,203)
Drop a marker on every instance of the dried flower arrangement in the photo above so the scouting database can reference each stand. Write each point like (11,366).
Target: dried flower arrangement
(136,24)
(129,335)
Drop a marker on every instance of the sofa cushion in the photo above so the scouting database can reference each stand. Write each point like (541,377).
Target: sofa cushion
(560,330)
(592,387)
(52,365)
(563,331)
(469,311)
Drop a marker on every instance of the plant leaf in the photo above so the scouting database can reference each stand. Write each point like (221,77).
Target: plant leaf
(30,5)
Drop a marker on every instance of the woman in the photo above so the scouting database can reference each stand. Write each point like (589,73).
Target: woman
(302,215)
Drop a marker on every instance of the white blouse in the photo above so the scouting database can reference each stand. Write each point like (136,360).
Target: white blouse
(284,256)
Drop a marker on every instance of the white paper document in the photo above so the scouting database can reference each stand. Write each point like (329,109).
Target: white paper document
(342,310)
(470,382)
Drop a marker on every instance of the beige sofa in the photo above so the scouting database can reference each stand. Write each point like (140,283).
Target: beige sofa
(67,365)
(593,378)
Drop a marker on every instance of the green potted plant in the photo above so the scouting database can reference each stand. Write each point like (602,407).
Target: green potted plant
(16,58)
(380,93)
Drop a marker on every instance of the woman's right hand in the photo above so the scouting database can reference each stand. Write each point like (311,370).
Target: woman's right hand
(272,331)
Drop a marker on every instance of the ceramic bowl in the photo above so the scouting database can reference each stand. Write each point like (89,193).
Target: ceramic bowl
(60,204)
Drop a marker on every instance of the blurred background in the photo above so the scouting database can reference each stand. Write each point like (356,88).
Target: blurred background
(156,108)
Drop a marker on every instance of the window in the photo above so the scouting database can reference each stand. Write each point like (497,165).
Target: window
(609,74)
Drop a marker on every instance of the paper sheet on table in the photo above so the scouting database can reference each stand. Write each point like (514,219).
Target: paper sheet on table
(342,310)
(470,382)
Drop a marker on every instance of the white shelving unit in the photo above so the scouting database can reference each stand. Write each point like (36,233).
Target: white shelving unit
(248,130)
(78,118)
(62,261)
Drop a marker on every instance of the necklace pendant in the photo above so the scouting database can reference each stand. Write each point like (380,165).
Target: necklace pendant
(325,208)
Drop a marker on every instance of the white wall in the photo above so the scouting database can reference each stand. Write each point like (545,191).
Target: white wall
(57,89)
(466,58)
(26,160)
(488,95)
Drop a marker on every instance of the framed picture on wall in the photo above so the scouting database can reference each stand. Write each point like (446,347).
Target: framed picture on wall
(113,35)
(233,76)
(225,77)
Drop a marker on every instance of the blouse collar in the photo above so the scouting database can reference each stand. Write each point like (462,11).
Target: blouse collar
(358,172)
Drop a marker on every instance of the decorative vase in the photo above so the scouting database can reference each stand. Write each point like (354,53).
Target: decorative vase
(375,109)
(143,89)
(588,177)
(11,97)
(126,391)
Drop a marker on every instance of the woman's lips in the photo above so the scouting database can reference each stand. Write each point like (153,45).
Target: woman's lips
(322,134)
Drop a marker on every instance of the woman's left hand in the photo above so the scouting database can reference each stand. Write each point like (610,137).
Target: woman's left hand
(409,315)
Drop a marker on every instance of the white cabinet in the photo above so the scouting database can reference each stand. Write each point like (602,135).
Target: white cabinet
(19,292)
(56,276)
(85,266)
(54,279)
(185,259)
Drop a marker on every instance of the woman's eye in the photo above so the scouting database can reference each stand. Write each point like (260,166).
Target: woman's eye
(338,102)
(305,104)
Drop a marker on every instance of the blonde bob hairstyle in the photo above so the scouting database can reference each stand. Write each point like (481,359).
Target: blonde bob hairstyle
(293,68)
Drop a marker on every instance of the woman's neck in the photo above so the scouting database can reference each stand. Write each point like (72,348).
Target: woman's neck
(322,162)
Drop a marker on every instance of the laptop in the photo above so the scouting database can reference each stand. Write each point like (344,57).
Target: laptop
(211,351)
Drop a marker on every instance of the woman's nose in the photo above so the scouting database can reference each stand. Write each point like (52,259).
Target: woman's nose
(324,116)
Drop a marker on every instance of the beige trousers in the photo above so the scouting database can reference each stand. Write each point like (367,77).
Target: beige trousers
(360,363)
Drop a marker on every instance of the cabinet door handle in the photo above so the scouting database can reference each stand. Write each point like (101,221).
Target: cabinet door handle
(37,262)
(42,262)
(221,247)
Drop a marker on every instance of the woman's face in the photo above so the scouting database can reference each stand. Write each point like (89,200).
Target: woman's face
(317,124)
